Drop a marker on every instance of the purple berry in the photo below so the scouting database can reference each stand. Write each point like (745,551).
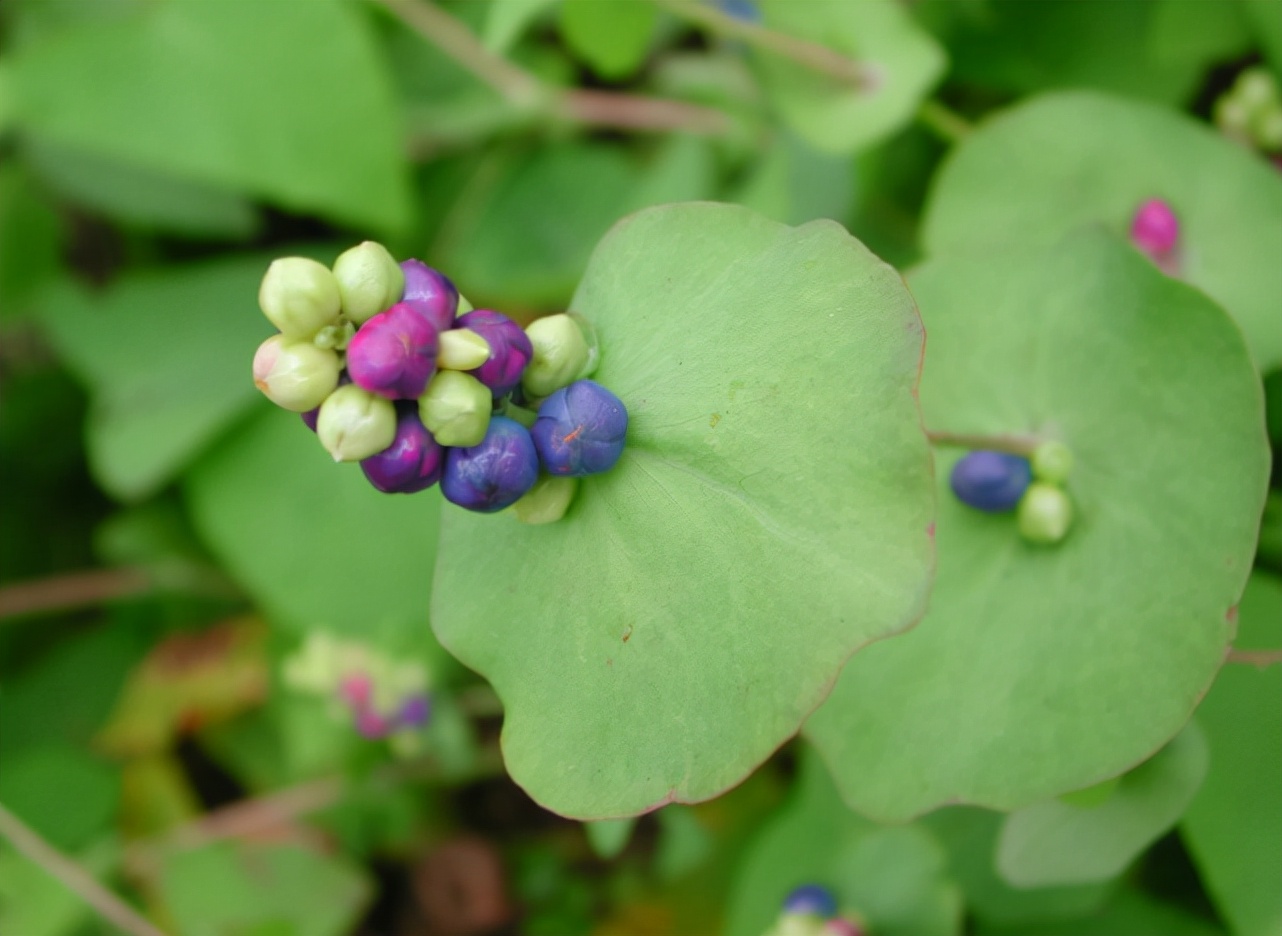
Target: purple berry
(812,899)
(496,472)
(415,711)
(580,430)
(510,349)
(414,460)
(1155,229)
(431,292)
(991,481)
(394,353)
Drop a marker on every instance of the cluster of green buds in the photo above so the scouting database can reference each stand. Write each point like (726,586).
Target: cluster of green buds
(393,369)
(378,696)
(1251,111)
(998,482)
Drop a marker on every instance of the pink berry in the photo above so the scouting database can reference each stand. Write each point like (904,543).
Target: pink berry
(371,724)
(1155,229)
(355,689)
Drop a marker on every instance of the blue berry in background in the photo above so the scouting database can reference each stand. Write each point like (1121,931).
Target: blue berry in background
(510,349)
(431,292)
(414,460)
(394,353)
(991,481)
(580,430)
(495,473)
(415,711)
(811,899)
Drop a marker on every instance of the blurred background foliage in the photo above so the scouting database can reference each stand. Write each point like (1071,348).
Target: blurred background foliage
(169,541)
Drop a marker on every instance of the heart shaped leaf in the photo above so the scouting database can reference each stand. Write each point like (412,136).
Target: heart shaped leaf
(1046,167)
(769,516)
(1039,669)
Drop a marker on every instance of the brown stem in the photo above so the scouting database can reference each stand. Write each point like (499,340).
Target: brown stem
(73,590)
(809,55)
(526,92)
(105,903)
(1015,445)
(1257,658)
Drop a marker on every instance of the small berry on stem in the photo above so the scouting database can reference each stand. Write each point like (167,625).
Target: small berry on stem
(354,424)
(295,374)
(369,280)
(495,473)
(456,408)
(299,296)
(990,481)
(414,460)
(394,353)
(580,430)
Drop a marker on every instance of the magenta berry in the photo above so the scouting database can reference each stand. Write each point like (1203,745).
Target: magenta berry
(431,292)
(580,430)
(394,353)
(496,472)
(1155,229)
(510,349)
(414,460)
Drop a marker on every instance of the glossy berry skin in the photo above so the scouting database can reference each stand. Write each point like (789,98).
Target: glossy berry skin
(431,292)
(309,418)
(413,462)
(510,349)
(493,474)
(991,481)
(1155,229)
(394,353)
(812,899)
(580,430)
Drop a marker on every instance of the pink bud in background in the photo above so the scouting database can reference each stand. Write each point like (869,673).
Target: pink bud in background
(371,724)
(1155,229)
(355,690)
(841,926)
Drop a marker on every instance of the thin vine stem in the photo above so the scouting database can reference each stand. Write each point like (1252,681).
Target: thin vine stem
(72,590)
(943,121)
(1257,658)
(105,903)
(527,93)
(1014,445)
(811,55)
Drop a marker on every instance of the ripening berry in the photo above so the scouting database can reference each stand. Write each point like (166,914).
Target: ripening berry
(991,481)
(354,424)
(813,899)
(394,353)
(1155,229)
(432,293)
(561,354)
(414,460)
(299,296)
(295,374)
(494,474)
(580,430)
(369,281)
(1045,514)
(510,349)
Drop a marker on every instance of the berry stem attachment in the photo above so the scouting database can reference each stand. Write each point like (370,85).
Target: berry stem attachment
(1011,444)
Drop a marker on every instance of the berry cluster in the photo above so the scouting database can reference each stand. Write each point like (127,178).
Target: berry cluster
(997,482)
(380,697)
(392,369)
(811,910)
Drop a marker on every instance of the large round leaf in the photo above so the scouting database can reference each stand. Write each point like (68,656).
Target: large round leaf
(770,515)
(1044,168)
(1046,669)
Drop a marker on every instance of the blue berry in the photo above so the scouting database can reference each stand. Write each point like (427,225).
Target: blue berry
(415,711)
(991,481)
(496,472)
(812,899)
(414,460)
(510,349)
(580,430)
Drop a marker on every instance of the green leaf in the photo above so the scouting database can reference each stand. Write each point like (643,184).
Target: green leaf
(229,888)
(1055,843)
(31,234)
(1048,166)
(696,601)
(793,183)
(893,877)
(1131,914)
(311,540)
(609,837)
(1234,827)
(508,19)
(62,792)
(1041,670)
(613,38)
(35,903)
(903,61)
(1265,17)
(166,356)
(285,101)
(143,197)
(970,837)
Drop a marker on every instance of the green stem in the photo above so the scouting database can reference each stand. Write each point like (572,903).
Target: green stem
(943,121)
(1014,445)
